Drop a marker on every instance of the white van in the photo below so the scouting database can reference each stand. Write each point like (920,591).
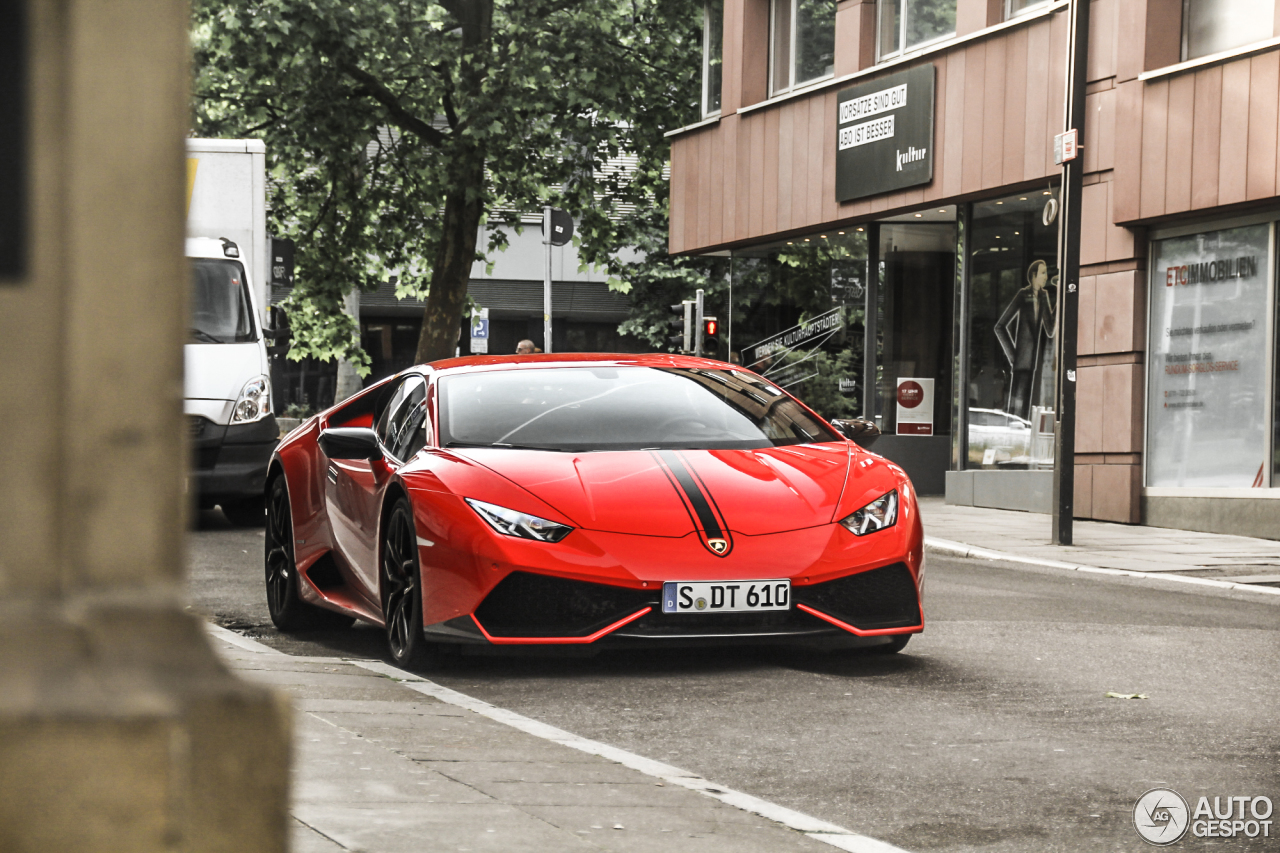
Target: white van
(227,384)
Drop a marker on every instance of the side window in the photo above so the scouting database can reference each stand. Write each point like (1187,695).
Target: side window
(403,417)
(416,431)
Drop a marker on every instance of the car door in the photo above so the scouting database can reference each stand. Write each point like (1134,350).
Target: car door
(354,487)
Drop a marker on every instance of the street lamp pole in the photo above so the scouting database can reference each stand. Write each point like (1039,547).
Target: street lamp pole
(1069,272)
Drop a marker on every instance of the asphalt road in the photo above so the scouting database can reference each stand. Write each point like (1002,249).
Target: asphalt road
(990,732)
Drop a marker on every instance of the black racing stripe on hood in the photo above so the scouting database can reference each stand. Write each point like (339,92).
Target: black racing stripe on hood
(710,525)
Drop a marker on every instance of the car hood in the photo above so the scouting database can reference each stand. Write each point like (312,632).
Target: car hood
(674,493)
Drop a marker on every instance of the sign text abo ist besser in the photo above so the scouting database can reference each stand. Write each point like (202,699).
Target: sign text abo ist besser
(885,134)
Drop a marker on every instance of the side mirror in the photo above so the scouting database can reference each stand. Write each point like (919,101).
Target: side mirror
(350,443)
(860,431)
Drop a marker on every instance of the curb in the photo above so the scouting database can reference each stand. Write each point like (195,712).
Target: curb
(811,827)
(960,549)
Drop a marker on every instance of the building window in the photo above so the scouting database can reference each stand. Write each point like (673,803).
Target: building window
(1212,26)
(1014,8)
(712,56)
(802,43)
(907,24)
(1207,365)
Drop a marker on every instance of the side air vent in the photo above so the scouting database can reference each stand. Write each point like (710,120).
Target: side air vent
(529,605)
(881,598)
(324,572)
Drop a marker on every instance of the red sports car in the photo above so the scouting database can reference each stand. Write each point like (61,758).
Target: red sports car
(589,499)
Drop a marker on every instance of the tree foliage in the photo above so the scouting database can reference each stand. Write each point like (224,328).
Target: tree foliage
(395,129)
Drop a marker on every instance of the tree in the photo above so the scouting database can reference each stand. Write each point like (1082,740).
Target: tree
(396,129)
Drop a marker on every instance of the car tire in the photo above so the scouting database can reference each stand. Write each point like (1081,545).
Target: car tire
(896,643)
(401,592)
(244,512)
(288,611)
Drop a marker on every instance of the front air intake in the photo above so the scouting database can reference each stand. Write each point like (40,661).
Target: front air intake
(881,598)
(528,605)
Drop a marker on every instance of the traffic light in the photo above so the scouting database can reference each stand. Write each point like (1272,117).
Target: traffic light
(683,321)
(710,339)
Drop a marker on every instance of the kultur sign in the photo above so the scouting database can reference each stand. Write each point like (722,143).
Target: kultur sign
(884,134)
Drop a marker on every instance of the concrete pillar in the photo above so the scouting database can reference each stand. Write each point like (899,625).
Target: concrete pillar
(119,729)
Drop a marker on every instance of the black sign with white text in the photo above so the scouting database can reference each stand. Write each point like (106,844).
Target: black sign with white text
(884,133)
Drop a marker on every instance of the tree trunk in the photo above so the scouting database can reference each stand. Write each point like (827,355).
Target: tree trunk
(349,383)
(442,319)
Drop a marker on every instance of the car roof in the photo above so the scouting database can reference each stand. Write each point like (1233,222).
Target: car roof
(475,363)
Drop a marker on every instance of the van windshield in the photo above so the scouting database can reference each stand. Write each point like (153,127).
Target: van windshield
(220,307)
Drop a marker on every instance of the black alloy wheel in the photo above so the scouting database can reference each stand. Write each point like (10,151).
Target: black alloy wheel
(288,611)
(402,592)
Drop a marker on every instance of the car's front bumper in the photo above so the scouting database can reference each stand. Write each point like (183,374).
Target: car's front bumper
(230,461)
(862,608)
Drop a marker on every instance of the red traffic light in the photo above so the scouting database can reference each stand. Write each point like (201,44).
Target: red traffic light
(710,326)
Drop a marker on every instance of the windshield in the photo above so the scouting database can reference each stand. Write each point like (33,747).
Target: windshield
(621,408)
(220,307)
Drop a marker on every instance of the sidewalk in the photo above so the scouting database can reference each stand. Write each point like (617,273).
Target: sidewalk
(1211,559)
(385,761)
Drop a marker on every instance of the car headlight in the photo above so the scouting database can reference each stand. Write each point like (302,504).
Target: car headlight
(254,403)
(519,524)
(877,515)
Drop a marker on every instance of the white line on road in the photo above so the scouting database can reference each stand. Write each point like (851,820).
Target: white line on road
(959,549)
(819,830)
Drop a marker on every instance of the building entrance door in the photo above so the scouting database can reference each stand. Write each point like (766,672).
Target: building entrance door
(913,303)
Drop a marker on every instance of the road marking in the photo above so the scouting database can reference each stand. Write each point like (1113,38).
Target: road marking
(959,549)
(819,830)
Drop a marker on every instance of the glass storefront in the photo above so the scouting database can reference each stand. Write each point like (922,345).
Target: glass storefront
(796,315)
(1012,303)
(1209,361)
(802,311)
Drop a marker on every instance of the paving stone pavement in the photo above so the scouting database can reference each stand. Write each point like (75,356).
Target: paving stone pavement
(379,767)
(1238,559)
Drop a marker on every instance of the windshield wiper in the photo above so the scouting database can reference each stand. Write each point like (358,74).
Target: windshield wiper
(505,446)
(203,336)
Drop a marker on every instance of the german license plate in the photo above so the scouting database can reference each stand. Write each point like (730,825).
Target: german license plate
(725,596)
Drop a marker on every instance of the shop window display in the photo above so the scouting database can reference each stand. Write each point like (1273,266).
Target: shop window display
(1207,362)
(1013,297)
